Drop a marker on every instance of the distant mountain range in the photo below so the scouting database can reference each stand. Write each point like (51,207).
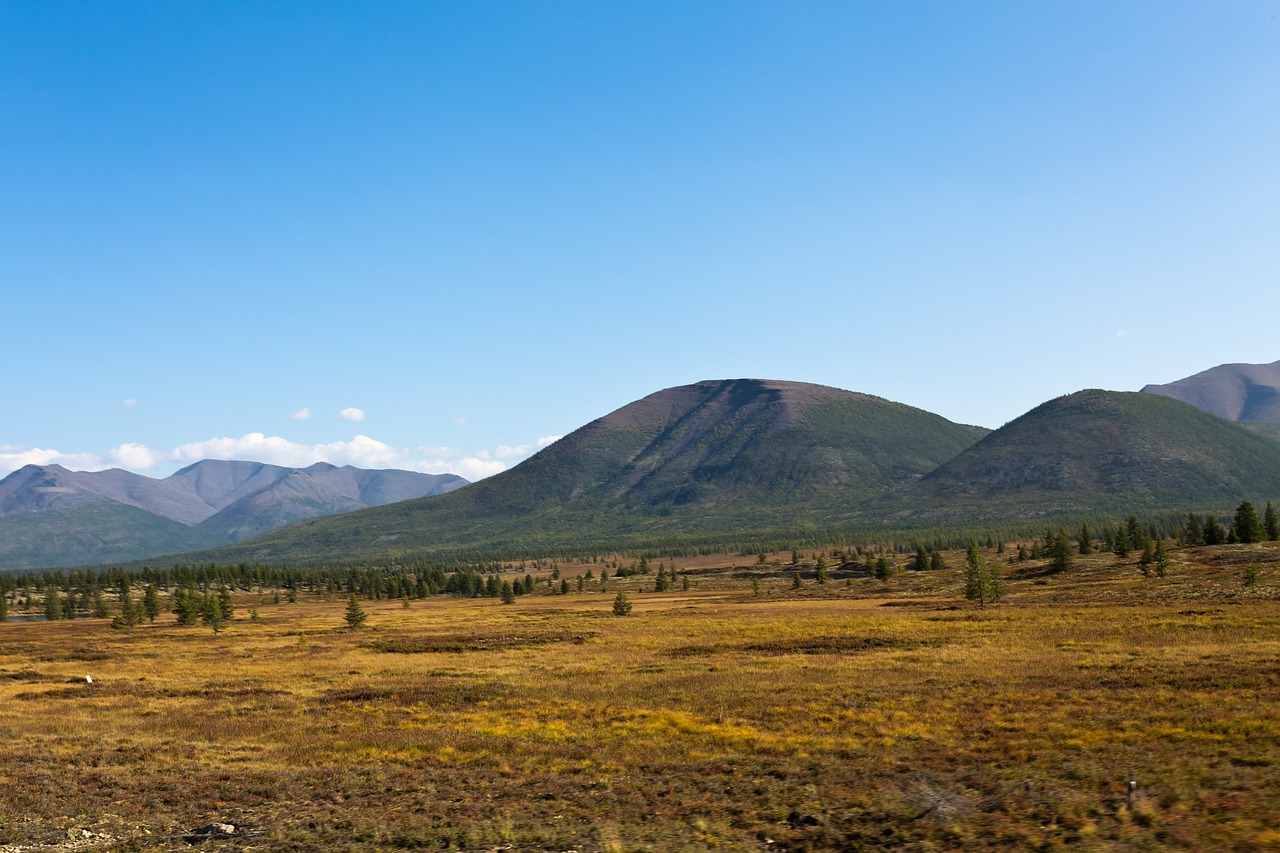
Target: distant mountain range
(1246,393)
(51,516)
(753,457)
(719,461)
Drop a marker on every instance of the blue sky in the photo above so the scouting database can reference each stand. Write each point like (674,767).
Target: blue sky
(473,227)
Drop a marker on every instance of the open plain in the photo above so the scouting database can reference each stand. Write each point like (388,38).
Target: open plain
(1097,709)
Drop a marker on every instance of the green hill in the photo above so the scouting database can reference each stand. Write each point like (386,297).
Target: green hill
(91,533)
(716,456)
(1093,452)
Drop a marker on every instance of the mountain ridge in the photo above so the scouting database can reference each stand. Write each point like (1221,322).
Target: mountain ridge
(201,505)
(1235,392)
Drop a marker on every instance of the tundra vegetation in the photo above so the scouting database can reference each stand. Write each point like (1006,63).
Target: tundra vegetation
(733,710)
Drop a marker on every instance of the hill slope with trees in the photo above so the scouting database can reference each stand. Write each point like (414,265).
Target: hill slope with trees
(713,456)
(1093,452)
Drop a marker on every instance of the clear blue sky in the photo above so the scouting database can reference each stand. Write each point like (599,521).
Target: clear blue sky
(482,224)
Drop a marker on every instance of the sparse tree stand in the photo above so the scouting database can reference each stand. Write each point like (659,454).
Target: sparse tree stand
(355,614)
(621,606)
(211,612)
(982,583)
(1060,552)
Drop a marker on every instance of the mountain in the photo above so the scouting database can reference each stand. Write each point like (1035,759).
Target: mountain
(1236,392)
(1093,452)
(52,516)
(712,457)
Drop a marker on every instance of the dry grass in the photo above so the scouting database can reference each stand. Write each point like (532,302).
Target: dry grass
(830,718)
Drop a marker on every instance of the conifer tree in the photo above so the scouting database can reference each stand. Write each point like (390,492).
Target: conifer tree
(1086,539)
(151,602)
(1248,527)
(1270,524)
(509,593)
(211,612)
(1193,533)
(4,606)
(982,583)
(52,605)
(186,607)
(1120,545)
(1212,531)
(1161,559)
(355,616)
(1059,548)
(621,606)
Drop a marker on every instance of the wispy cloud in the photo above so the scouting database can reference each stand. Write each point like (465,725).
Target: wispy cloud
(351,413)
(129,403)
(302,414)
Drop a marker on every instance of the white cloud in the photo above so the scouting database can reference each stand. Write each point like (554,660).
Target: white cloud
(1120,333)
(302,414)
(548,439)
(129,402)
(351,413)
(13,457)
(460,421)
(136,456)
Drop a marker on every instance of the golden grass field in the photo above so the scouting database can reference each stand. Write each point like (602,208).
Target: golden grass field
(859,715)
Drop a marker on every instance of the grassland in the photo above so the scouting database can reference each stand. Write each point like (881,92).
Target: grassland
(858,714)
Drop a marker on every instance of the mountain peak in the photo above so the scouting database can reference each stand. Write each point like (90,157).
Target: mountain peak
(1237,392)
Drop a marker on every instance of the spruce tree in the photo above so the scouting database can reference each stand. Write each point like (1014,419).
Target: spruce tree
(982,583)
(1248,527)
(1148,557)
(211,612)
(1121,544)
(621,607)
(355,613)
(1059,552)
(52,605)
(1270,524)
(1161,559)
(1212,531)
(151,602)
(1193,533)
(4,606)
(1086,540)
(186,607)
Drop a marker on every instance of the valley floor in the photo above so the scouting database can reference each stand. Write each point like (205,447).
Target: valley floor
(858,714)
